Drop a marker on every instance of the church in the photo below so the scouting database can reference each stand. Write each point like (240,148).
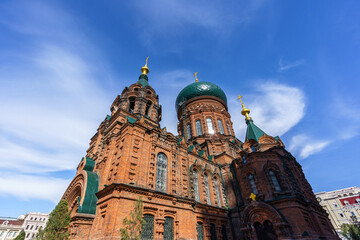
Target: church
(201,183)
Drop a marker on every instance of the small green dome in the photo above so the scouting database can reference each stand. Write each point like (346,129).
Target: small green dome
(199,89)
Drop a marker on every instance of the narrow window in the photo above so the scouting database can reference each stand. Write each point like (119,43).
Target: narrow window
(147,110)
(208,199)
(341,215)
(274,181)
(253,149)
(352,213)
(169,228)
(210,126)
(132,104)
(212,232)
(217,192)
(147,230)
(200,231)
(196,185)
(198,128)
(252,184)
(221,127)
(223,232)
(228,127)
(188,131)
(335,205)
(161,173)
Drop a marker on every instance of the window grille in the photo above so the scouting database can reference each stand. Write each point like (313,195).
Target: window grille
(213,232)
(147,231)
(274,181)
(169,228)
(210,126)
(196,186)
(221,127)
(198,128)
(161,173)
(217,192)
(200,231)
(188,131)
(252,184)
(208,199)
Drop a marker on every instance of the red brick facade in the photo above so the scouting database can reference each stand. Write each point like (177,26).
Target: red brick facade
(205,177)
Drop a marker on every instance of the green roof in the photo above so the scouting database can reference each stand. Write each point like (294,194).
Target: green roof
(253,132)
(199,89)
(143,80)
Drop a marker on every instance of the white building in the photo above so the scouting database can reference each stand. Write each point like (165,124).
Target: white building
(11,227)
(341,205)
(33,222)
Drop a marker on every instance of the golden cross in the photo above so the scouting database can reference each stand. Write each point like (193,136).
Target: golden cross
(195,75)
(146,61)
(239,97)
(252,196)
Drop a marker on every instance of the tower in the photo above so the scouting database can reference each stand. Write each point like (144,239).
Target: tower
(203,183)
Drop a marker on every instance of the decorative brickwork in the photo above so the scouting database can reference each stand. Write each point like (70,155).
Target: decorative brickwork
(194,185)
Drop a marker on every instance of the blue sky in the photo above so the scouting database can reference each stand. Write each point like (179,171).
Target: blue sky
(62,63)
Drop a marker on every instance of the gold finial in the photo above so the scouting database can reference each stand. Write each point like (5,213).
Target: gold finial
(195,75)
(253,196)
(244,111)
(145,70)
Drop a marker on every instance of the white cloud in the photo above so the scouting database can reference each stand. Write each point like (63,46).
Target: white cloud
(287,66)
(51,100)
(306,146)
(28,187)
(275,108)
(164,18)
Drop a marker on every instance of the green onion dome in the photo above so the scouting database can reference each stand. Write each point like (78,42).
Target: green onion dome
(197,89)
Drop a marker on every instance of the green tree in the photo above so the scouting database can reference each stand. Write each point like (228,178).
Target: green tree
(58,223)
(352,230)
(132,226)
(21,236)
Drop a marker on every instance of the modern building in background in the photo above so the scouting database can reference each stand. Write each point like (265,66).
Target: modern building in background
(341,205)
(33,222)
(10,228)
(202,183)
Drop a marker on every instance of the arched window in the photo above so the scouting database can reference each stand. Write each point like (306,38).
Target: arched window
(200,231)
(221,127)
(161,173)
(198,128)
(274,181)
(212,232)
(131,104)
(228,128)
(169,228)
(196,185)
(147,230)
(217,192)
(148,109)
(252,184)
(188,131)
(223,232)
(210,126)
(207,189)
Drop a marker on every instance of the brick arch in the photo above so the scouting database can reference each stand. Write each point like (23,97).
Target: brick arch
(261,212)
(75,191)
(267,139)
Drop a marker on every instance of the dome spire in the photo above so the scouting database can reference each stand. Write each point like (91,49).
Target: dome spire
(145,70)
(244,111)
(195,75)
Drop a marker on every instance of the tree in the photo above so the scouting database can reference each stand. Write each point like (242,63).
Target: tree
(132,226)
(21,236)
(352,230)
(58,223)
